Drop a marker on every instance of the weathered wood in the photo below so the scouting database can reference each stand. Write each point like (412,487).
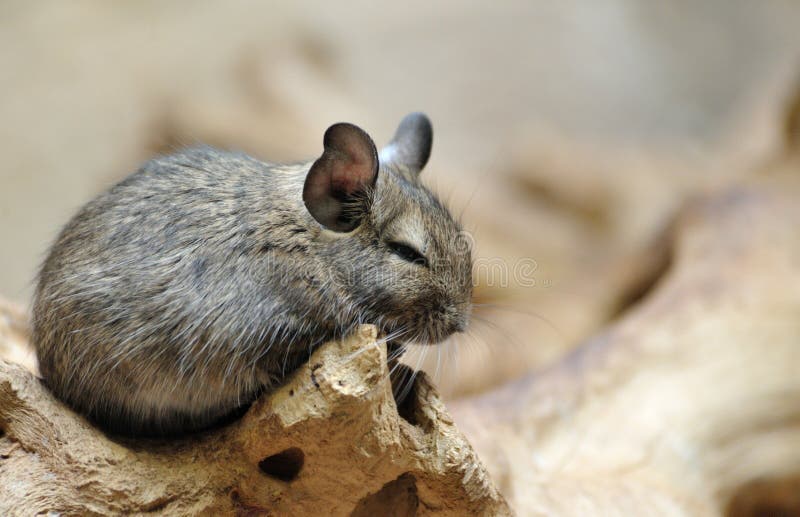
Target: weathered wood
(329,442)
(690,403)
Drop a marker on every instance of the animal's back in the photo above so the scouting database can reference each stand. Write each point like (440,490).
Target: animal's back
(146,284)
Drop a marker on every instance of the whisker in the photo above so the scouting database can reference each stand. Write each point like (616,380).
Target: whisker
(517,310)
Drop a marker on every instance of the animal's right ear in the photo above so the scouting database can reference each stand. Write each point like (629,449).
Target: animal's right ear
(341,180)
(410,148)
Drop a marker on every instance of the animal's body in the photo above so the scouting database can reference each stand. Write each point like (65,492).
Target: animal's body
(175,297)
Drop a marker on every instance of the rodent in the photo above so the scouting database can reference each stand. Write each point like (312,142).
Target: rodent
(206,277)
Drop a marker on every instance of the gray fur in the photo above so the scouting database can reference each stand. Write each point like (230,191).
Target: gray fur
(410,148)
(175,297)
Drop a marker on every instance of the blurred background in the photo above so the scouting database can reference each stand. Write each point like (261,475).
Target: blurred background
(568,133)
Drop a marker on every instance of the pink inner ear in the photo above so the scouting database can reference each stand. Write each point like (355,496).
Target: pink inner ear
(347,167)
(354,164)
(351,175)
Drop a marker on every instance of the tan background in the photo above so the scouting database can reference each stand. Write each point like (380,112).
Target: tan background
(567,132)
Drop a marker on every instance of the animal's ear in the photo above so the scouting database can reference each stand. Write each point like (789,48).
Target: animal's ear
(410,148)
(341,180)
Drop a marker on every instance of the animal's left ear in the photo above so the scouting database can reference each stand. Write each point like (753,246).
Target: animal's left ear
(342,178)
(410,148)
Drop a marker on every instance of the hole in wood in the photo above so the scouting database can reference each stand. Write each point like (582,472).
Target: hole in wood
(397,498)
(404,389)
(285,466)
(767,498)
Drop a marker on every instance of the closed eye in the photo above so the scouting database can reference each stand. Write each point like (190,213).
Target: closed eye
(407,253)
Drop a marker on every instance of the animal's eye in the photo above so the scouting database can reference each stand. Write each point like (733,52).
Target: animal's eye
(406,252)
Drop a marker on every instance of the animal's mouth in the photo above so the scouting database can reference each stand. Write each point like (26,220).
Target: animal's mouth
(428,327)
(424,336)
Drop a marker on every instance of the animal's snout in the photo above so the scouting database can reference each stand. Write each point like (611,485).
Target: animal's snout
(459,325)
(460,319)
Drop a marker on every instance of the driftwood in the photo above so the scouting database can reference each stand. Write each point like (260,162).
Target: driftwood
(329,442)
(688,405)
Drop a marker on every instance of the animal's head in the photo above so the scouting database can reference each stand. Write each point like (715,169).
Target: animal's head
(405,260)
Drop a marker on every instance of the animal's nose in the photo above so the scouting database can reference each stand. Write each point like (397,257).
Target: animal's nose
(462,319)
(459,323)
